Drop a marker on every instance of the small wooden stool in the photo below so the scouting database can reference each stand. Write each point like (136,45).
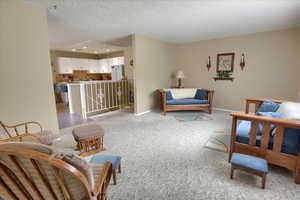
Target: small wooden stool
(114,160)
(89,139)
(250,164)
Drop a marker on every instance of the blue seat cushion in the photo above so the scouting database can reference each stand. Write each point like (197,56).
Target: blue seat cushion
(201,94)
(290,144)
(250,162)
(268,106)
(186,102)
(101,159)
(169,95)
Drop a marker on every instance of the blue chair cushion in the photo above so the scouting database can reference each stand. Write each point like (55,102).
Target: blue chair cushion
(250,162)
(290,144)
(101,159)
(169,95)
(268,106)
(186,102)
(201,94)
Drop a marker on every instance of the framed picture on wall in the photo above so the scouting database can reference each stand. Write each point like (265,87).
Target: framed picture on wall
(225,62)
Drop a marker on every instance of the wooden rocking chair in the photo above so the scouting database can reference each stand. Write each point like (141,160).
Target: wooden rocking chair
(31,171)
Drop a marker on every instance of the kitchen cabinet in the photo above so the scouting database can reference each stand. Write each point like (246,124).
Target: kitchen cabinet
(94,66)
(67,65)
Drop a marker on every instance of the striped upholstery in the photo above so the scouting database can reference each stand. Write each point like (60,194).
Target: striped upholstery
(40,177)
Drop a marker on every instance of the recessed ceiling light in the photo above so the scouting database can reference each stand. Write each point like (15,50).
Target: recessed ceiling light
(85,47)
(73,49)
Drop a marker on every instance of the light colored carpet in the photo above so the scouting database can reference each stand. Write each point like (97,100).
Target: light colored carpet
(163,158)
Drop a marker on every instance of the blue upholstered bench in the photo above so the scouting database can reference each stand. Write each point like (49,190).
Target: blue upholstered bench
(115,161)
(250,164)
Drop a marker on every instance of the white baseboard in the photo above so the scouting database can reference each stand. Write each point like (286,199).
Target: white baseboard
(225,110)
(142,113)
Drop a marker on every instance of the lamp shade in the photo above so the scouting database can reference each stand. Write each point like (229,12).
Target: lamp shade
(180,74)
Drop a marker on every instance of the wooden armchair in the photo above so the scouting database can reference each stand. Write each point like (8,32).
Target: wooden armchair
(27,131)
(273,155)
(34,171)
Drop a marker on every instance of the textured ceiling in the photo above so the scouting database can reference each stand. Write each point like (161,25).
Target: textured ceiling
(176,21)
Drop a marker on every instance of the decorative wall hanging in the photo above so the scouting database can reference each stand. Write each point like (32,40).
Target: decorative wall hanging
(225,62)
(208,65)
(242,63)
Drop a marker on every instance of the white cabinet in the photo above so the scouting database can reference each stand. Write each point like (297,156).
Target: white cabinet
(65,65)
(105,66)
(94,67)
(121,60)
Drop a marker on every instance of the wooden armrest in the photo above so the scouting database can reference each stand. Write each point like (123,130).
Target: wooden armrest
(22,124)
(103,179)
(262,100)
(258,102)
(278,121)
(20,138)
(210,96)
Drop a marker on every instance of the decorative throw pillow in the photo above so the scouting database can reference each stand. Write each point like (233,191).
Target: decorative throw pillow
(268,106)
(290,110)
(272,126)
(169,95)
(201,94)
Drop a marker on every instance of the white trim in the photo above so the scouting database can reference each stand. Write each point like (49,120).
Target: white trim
(70,99)
(226,110)
(106,113)
(142,113)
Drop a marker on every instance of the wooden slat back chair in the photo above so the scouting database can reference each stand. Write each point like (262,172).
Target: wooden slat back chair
(34,171)
(27,131)
(274,155)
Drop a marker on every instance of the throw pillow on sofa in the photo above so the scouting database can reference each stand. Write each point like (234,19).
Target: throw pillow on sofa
(268,106)
(290,110)
(201,94)
(169,95)
(272,126)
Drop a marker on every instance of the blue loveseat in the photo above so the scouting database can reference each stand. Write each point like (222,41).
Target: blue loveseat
(186,99)
(267,133)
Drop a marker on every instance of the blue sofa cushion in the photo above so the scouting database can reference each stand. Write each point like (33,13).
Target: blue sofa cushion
(101,159)
(169,95)
(186,102)
(290,144)
(268,106)
(268,114)
(201,94)
(250,162)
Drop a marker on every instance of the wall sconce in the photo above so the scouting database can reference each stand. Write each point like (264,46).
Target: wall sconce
(208,65)
(242,63)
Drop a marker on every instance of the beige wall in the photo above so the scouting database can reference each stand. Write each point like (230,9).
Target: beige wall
(153,66)
(25,72)
(272,67)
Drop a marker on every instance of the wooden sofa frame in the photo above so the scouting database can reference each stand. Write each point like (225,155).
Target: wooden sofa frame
(273,156)
(165,108)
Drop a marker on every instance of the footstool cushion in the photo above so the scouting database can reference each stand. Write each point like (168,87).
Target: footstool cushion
(251,162)
(87,132)
(102,158)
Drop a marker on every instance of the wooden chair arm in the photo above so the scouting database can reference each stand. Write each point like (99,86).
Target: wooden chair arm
(103,181)
(21,137)
(25,124)
(258,102)
(262,119)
